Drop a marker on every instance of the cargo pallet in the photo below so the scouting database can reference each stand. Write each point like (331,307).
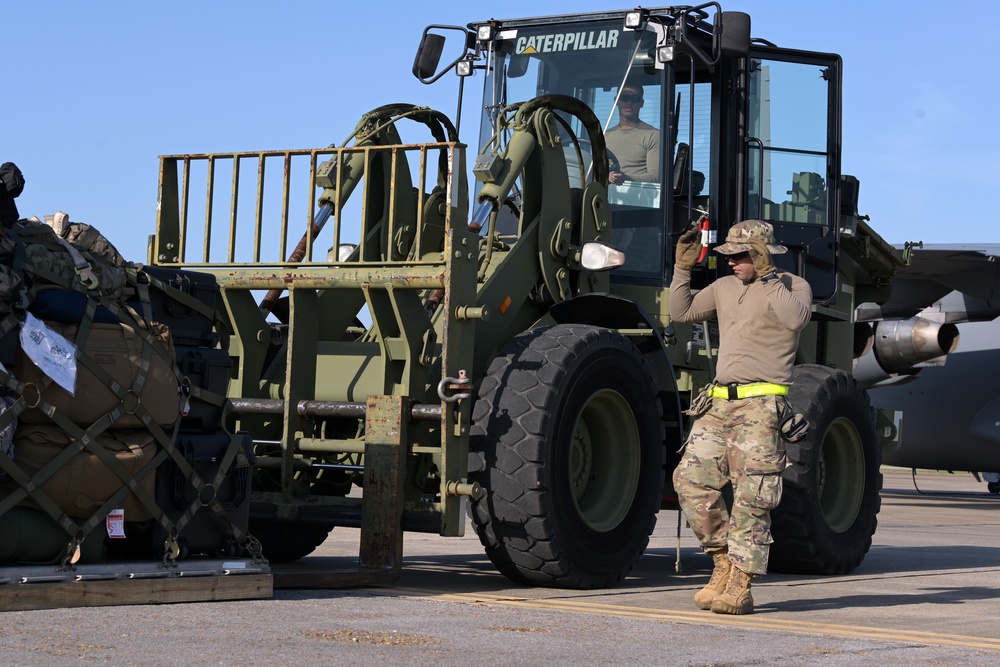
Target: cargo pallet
(25,588)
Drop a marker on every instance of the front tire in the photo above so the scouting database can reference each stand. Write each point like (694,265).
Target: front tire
(570,428)
(830,503)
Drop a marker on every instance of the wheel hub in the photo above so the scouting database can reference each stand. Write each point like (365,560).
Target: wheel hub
(605,458)
(841,472)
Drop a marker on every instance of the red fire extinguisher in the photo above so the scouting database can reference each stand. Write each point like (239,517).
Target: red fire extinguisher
(708,236)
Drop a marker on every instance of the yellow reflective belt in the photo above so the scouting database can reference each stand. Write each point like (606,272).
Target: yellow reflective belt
(737,391)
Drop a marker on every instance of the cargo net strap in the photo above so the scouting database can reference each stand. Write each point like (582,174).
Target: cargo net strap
(33,395)
(23,396)
(186,388)
(206,495)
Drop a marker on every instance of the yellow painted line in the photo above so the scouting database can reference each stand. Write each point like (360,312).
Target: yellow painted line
(762,622)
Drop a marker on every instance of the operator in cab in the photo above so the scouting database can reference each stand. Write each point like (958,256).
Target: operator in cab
(736,437)
(634,143)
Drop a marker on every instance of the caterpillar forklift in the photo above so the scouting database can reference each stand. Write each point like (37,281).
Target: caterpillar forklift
(430,352)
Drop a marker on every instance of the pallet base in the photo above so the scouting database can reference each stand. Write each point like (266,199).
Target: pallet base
(304,574)
(28,588)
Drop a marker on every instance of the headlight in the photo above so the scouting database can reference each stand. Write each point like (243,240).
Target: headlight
(600,257)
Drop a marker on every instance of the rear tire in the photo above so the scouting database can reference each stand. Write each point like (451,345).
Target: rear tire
(830,502)
(288,541)
(570,427)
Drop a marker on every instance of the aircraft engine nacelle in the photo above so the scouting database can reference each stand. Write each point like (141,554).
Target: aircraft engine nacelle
(901,347)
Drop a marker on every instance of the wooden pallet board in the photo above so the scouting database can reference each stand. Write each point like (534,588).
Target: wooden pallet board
(28,589)
(306,574)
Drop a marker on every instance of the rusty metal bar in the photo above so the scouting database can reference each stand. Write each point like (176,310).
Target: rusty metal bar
(310,224)
(263,241)
(183,219)
(285,189)
(421,189)
(450,192)
(259,218)
(233,207)
(425,412)
(418,277)
(275,406)
(209,196)
(363,241)
(307,151)
(382,498)
(330,409)
(338,205)
(330,446)
(391,222)
(258,406)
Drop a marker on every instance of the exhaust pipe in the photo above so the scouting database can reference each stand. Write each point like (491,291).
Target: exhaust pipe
(864,339)
(901,347)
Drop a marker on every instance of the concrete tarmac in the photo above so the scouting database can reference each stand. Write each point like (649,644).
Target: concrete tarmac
(928,593)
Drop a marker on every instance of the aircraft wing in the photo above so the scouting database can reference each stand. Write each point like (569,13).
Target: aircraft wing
(946,283)
(918,366)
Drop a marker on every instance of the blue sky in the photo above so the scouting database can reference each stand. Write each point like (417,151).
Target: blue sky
(95,91)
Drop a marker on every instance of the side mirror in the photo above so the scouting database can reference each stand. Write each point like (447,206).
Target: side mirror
(735,41)
(432,46)
(428,55)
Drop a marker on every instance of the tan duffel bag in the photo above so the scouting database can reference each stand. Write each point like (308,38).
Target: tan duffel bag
(117,349)
(84,484)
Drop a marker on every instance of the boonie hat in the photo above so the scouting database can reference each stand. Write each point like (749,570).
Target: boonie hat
(740,233)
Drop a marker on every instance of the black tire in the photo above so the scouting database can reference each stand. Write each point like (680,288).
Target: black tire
(830,502)
(571,430)
(993,487)
(288,541)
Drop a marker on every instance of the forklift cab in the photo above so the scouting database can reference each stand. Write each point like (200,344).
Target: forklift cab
(744,132)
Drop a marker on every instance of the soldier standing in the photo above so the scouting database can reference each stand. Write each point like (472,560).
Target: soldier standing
(736,437)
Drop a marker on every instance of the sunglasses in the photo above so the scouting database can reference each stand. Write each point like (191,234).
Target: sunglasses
(739,257)
(631,99)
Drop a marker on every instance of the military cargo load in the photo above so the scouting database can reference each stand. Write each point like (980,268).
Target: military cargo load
(104,474)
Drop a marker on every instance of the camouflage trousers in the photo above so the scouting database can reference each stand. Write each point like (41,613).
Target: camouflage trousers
(734,442)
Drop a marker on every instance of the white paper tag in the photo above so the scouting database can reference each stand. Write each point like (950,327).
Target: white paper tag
(50,351)
(116,524)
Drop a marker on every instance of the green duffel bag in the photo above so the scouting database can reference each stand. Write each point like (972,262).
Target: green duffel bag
(82,486)
(31,537)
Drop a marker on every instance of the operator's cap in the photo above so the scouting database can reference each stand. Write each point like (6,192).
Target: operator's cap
(741,232)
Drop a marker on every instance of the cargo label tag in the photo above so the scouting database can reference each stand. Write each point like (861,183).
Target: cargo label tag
(50,351)
(116,524)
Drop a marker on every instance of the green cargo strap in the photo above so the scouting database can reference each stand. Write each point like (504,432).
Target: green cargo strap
(732,392)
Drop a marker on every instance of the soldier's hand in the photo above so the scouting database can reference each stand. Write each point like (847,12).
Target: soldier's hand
(688,249)
(761,256)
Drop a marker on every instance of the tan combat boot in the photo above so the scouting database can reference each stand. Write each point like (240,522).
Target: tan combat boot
(736,599)
(717,584)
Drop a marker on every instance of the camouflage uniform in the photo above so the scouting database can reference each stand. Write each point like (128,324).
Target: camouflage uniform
(737,441)
(760,316)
